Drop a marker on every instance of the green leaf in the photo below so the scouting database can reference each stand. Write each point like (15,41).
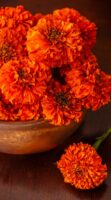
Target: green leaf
(100,139)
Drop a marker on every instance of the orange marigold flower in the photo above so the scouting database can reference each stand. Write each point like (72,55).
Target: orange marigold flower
(101,94)
(12,17)
(21,82)
(88,83)
(10,112)
(24,112)
(17,19)
(87,28)
(54,41)
(29,112)
(11,45)
(60,107)
(82,76)
(82,167)
(67,14)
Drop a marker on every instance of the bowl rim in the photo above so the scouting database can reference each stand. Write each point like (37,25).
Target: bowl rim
(21,123)
(31,123)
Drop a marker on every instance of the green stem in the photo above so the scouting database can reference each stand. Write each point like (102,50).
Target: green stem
(100,139)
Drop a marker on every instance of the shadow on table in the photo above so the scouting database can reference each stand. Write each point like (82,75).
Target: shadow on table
(90,194)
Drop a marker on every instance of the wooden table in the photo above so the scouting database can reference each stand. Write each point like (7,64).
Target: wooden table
(35,177)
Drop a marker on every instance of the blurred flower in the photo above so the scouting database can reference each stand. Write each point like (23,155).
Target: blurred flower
(82,167)
(60,107)
(54,41)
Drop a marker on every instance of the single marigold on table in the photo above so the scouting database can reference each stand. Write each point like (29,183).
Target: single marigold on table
(54,41)
(87,28)
(82,167)
(21,82)
(59,106)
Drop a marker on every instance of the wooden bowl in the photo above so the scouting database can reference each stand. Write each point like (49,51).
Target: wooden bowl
(32,136)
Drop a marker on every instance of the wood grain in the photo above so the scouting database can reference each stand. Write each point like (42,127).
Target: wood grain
(35,177)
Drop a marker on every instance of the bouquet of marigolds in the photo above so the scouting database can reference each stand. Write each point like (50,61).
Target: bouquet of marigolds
(48,71)
(47,68)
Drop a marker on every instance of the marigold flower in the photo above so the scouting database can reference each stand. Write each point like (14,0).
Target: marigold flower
(21,82)
(82,76)
(17,19)
(25,112)
(38,50)
(101,94)
(82,167)
(12,46)
(10,112)
(87,82)
(67,14)
(29,112)
(14,24)
(54,41)
(87,28)
(60,107)
(12,17)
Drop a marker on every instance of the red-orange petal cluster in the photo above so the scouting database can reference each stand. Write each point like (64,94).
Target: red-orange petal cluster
(82,76)
(82,167)
(15,18)
(60,107)
(101,94)
(12,45)
(10,112)
(20,82)
(54,41)
(47,68)
(14,24)
(87,28)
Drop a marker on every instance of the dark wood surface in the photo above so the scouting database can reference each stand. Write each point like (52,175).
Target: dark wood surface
(35,177)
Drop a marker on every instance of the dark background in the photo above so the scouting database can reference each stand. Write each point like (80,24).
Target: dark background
(35,177)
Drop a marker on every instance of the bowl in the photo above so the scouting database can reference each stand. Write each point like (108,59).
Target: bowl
(32,136)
